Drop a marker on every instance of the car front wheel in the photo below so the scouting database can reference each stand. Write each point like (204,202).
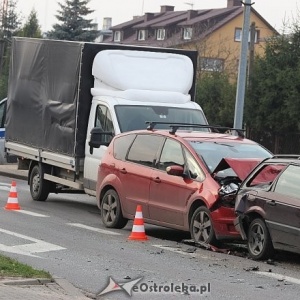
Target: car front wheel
(259,240)
(111,212)
(201,227)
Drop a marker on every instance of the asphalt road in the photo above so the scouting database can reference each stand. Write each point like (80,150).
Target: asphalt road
(65,236)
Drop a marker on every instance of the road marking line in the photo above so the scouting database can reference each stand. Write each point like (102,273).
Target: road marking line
(5,184)
(279,276)
(4,188)
(31,213)
(93,228)
(37,246)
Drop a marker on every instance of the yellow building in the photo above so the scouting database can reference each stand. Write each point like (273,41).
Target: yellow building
(215,33)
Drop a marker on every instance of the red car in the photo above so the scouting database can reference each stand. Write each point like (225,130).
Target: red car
(183,179)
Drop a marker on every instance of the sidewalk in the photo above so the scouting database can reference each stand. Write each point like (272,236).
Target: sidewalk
(35,289)
(11,170)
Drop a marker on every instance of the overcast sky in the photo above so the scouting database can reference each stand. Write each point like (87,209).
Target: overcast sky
(274,11)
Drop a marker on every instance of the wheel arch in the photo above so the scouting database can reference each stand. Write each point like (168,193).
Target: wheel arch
(197,203)
(32,164)
(111,181)
(103,191)
(249,217)
(45,167)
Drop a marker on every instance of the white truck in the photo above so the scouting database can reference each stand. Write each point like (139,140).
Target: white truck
(60,90)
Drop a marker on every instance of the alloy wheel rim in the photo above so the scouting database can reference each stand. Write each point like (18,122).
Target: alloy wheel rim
(109,209)
(202,227)
(256,239)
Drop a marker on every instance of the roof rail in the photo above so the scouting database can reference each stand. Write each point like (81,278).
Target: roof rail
(214,128)
(153,123)
(295,156)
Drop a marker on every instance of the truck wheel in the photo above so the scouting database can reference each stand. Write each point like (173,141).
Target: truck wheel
(201,227)
(39,187)
(111,212)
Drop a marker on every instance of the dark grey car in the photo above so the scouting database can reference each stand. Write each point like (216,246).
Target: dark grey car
(268,207)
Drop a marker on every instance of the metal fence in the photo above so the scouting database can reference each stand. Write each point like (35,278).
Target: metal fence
(277,143)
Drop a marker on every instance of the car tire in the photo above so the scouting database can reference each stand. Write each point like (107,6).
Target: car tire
(39,187)
(259,241)
(111,211)
(201,227)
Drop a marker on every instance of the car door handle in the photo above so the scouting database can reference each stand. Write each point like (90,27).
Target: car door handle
(271,202)
(157,180)
(123,171)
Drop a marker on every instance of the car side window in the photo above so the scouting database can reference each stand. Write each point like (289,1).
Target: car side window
(103,120)
(266,175)
(288,182)
(171,155)
(144,149)
(2,113)
(121,146)
(193,167)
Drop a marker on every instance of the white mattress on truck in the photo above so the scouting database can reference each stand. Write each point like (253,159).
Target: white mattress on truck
(122,70)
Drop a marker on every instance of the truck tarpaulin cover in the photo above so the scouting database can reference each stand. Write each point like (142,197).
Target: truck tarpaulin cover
(49,93)
(42,109)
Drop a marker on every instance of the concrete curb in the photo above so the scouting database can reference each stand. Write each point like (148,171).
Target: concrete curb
(27,281)
(16,174)
(71,290)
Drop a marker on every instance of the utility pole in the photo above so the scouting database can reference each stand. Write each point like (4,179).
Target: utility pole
(242,73)
(3,14)
(1,55)
(143,7)
(251,54)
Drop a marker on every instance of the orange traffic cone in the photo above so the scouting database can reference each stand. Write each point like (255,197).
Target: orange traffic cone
(12,201)
(138,229)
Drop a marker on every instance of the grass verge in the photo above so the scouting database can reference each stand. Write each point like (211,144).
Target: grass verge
(12,268)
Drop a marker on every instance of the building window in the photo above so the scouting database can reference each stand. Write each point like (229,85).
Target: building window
(161,34)
(142,35)
(187,33)
(211,64)
(238,35)
(117,36)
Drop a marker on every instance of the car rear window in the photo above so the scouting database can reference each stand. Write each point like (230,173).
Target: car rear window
(121,145)
(144,149)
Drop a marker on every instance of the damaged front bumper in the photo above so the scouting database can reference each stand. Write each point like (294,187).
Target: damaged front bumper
(238,224)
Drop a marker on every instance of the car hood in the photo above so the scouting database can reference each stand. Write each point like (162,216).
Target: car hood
(241,166)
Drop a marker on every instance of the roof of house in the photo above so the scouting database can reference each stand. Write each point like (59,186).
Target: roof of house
(210,19)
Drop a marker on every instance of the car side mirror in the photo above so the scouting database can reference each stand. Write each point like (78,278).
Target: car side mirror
(175,170)
(99,138)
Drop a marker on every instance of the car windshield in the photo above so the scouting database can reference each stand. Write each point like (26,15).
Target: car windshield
(213,152)
(134,117)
